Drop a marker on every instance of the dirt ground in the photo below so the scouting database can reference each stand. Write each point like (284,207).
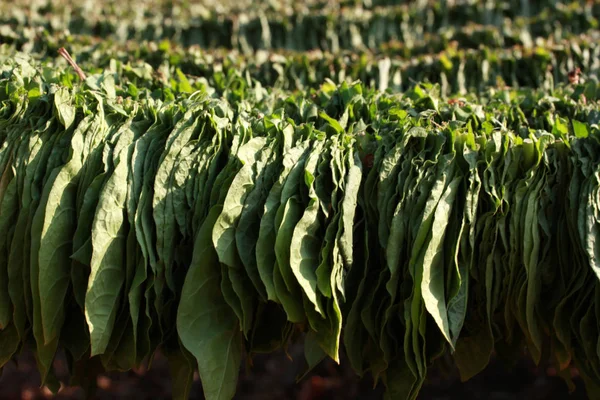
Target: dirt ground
(274,377)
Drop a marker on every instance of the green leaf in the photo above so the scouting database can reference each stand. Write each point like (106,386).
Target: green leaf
(332,122)
(64,109)
(207,326)
(265,252)
(432,285)
(107,275)
(184,84)
(580,129)
(305,244)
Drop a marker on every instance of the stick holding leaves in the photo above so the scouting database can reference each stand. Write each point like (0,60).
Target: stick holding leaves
(65,54)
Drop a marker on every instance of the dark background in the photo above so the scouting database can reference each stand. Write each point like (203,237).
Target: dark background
(273,376)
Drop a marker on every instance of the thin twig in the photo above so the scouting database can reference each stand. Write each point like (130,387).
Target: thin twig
(65,54)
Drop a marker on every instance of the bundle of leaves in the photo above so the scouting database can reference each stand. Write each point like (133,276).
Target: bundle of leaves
(225,222)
